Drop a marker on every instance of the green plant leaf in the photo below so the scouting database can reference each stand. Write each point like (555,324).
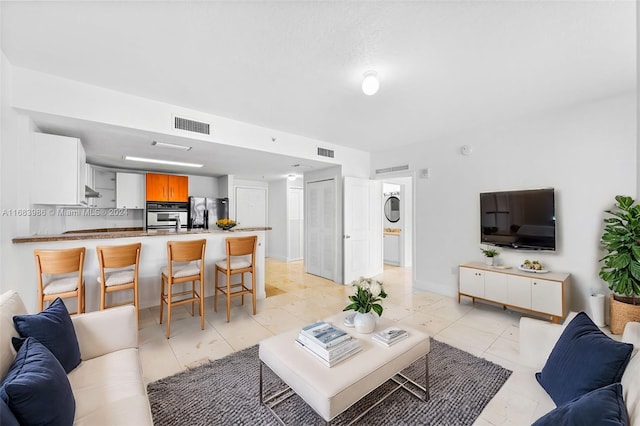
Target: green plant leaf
(377,308)
(634,268)
(620,260)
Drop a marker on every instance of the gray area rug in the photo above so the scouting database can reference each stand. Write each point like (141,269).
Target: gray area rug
(225,392)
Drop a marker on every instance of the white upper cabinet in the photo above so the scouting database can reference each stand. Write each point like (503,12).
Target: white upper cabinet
(59,164)
(104,182)
(130,191)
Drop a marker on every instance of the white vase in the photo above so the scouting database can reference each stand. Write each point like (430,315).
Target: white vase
(488,261)
(364,323)
(596,301)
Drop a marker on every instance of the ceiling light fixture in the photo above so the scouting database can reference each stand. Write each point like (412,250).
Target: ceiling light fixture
(153,160)
(171,145)
(370,84)
(292,177)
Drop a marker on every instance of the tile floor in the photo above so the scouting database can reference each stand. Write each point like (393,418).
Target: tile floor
(295,299)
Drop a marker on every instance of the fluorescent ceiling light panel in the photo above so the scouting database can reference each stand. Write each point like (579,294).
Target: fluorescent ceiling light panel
(153,160)
(171,145)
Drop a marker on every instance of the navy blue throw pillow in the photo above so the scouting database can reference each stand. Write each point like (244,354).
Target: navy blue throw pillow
(37,389)
(6,416)
(54,329)
(583,359)
(602,407)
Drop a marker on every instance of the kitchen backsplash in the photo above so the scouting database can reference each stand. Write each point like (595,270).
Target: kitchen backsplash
(56,220)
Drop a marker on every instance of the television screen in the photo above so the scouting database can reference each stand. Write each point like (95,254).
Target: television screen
(519,219)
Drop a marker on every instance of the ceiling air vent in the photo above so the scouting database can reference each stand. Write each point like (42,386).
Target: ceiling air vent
(324,152)
(392,169)
(190,125)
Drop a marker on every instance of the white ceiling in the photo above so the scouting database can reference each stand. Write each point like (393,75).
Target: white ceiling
(444,66)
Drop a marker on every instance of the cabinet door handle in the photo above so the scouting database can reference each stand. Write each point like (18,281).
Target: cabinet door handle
(163,192)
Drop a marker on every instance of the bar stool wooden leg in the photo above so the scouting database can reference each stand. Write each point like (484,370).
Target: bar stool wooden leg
(169,310)
(201,302)
(103,290)
(253,290)
(161,297)
(228,295)
(215,289)
(242,288)
(193,294)
(135,302)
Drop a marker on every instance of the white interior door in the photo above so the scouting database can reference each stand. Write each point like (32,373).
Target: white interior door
(251,207)
(295,204)
(362,228)
(321,214)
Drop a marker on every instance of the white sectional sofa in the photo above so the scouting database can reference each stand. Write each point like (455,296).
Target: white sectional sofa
(537,339)
(107,385)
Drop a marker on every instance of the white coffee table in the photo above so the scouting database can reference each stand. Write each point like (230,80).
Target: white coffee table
(330,391)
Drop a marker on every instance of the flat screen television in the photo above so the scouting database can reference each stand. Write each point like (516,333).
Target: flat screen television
(519,219)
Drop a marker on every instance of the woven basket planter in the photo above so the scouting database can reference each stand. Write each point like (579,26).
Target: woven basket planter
(621,313)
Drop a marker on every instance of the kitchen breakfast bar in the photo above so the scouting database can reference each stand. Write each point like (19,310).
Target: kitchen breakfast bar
(153,256)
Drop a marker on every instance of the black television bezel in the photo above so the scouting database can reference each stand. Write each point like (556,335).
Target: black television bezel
(518,246)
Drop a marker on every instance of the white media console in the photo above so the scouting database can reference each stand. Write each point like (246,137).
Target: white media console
(544,294)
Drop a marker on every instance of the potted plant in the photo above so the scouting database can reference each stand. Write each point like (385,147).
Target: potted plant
(367,295)
(489,254)
(621,264)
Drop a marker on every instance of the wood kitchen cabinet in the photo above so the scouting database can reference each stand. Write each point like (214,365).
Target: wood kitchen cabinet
(516,289)
(167,187)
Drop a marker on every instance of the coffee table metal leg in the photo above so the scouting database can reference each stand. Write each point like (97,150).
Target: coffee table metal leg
(426,377)
(261,367)
(424,394)
(278,397)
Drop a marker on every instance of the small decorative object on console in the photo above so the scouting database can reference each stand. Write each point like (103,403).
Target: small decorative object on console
(532,266)
(225,224)
(489,254)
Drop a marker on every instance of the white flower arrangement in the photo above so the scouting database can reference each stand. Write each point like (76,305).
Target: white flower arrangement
(367,293)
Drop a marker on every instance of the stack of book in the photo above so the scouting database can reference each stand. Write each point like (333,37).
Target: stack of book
(390,336)
(327,343)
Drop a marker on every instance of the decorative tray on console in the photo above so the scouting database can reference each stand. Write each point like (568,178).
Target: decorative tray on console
(533,271)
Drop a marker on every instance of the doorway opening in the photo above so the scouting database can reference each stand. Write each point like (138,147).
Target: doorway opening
(398,221)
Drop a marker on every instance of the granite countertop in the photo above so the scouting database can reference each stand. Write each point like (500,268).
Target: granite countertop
(98,234)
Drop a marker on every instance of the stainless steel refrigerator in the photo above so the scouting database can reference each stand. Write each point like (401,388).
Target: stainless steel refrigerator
(204,211)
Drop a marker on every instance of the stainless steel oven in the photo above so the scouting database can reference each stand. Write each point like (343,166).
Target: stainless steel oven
(165,215)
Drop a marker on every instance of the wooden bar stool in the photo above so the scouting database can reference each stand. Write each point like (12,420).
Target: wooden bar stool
(68,265)
(189,266)
(241,254)
(113,278)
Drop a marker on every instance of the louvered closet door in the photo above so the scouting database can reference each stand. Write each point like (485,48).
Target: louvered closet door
(321,224)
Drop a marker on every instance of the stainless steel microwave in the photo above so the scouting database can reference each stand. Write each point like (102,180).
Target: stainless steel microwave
(165,215)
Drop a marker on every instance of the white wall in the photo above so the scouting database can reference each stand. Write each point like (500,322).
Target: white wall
(588,153)
(15,182)
(203,186)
